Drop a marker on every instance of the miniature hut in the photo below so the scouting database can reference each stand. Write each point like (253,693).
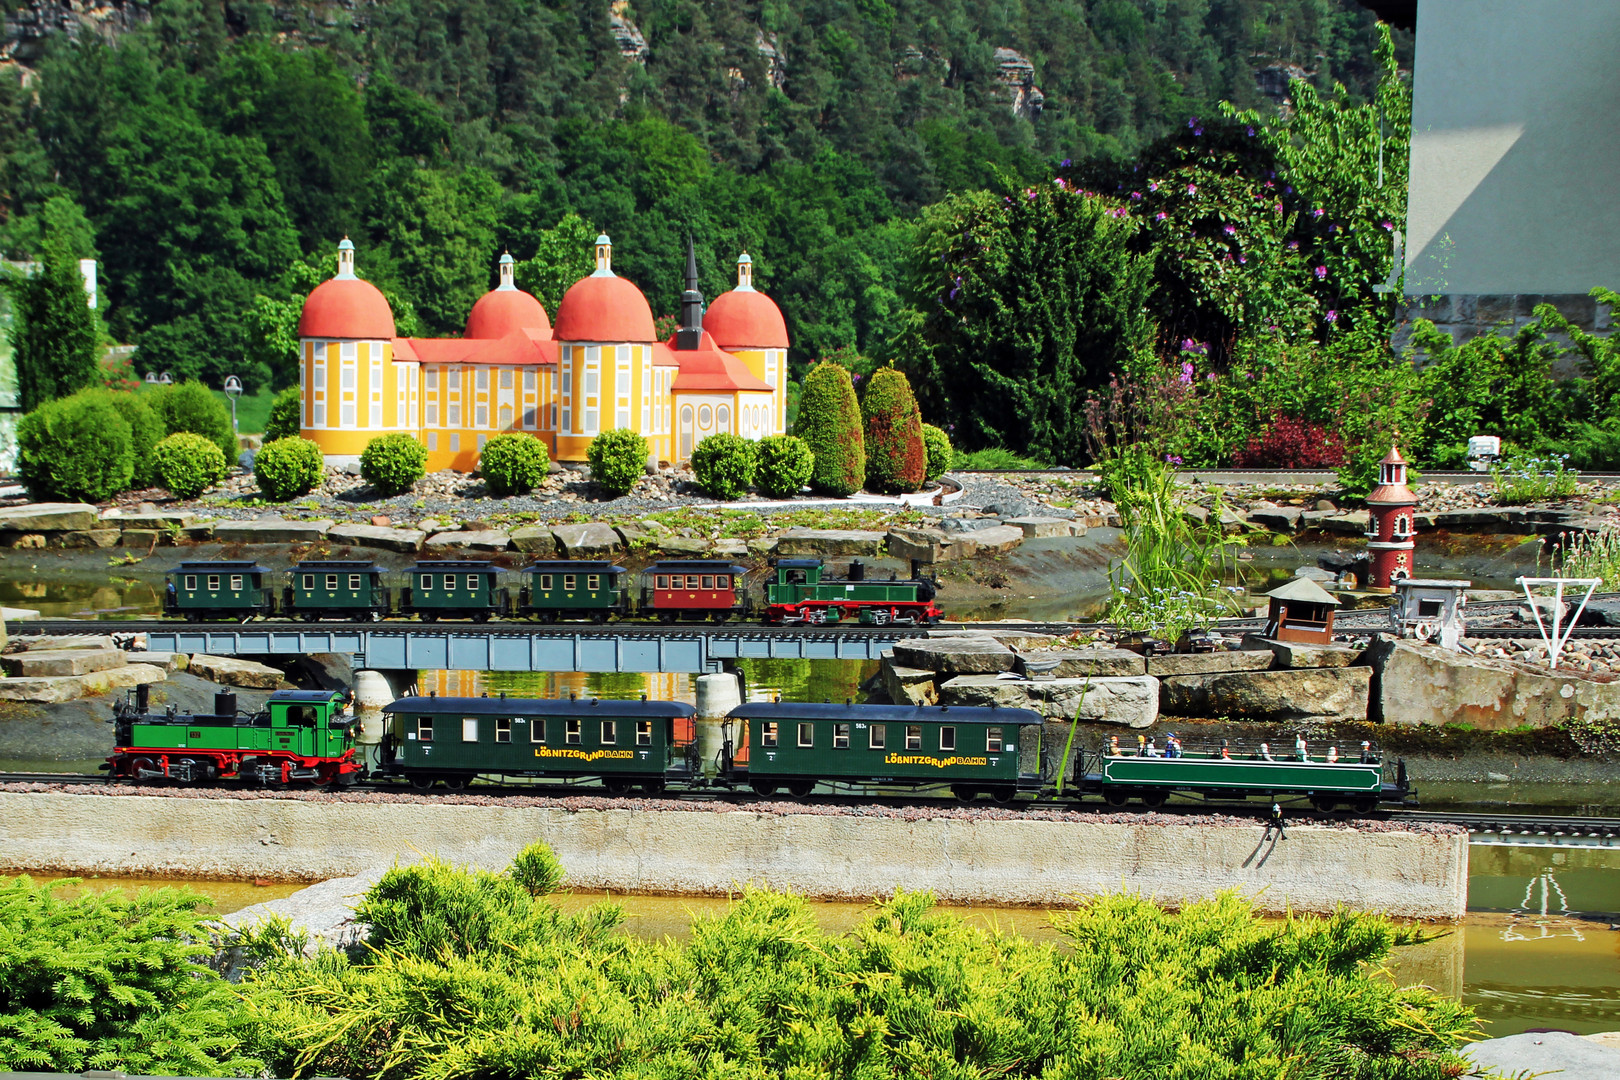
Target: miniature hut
(1430,609)
(1301,611)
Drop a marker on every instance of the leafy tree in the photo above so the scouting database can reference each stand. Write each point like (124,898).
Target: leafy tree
(829,422)
(896,457)
(54,337)
(562,256)
(440,238)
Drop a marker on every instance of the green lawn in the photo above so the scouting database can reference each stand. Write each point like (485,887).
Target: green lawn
(252,410)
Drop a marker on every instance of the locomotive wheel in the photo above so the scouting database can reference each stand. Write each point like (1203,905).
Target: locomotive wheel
(310,616)
(880,617)
(193,616)
(1003,794)
(763,788)
(376,616)
(430,616)
(965,793)
(815,616)
(722,616)
(599,617)
(420,782)
(617,785)
(1116,796)
(548,617)
(1323,806)
(801,789)
(1155,797)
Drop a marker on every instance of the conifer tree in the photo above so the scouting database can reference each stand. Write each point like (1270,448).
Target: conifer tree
(896,456)
(53,333)
(829,422)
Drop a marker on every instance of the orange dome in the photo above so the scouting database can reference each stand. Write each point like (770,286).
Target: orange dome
(502,311)
(346,308)
(604,307)
(745,319)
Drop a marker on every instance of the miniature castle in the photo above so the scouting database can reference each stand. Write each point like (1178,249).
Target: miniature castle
(598,367)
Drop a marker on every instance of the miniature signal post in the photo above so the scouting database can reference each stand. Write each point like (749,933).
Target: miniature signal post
(1390,507)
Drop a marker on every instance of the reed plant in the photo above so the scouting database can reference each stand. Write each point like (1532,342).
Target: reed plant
(1590,555)
(1528,478)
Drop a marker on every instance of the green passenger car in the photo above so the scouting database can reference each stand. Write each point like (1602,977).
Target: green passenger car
(224,589)
(453,589)
(796,745)
(336,589)
(620,744)
(562,589)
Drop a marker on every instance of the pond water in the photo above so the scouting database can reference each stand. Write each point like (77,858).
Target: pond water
(226,896)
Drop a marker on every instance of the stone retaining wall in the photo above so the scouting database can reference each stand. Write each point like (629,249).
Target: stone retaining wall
(964,859)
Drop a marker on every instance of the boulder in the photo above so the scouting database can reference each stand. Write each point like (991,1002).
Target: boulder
(996,540)
(90,538)
(1299,654)
(41,642)
(955,656)
(831,542)
(158,519)
(924,545)
(683,545)
(42,662)
(376,536)
(142,538)
(1133,701)
(1013,639)
(470,540)
(1079,663)
(1037,527)
(200,533)
(1210,663)
(1311,693)
(1496,518)
(167,661)
(592,540)
(535,540)
(48,517)
(908,686)
(1355,523)
(48,689)
(1282,519)
(234,671)
(729,549)
(23,541)
(762,547)
(271,532)
(1417,683)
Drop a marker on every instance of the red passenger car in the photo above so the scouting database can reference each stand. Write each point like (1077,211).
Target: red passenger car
(694,589)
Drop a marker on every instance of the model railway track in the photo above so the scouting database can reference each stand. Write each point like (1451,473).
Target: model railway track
(529,629)
(1527,825)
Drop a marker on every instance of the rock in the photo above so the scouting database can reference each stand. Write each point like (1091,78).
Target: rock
(376,536)
(906,685)
(381,520)
(1313,693)
(23,540)
(1498,778)
(56,688)
(683,545)
(924,545)
(1424,684)
(1545,1053)
(199,533)
(271,531)
(1326,506)
(1013,639)
(41,642)
(168,661)
(1299,654)
(1282,519)
(48,517)
(762,547)
(592,540)
(1354,523)
(1314,573)
(90,538)
(324,912)
(1312,519)
(831,542)
(41,662)
(1597,613)
(470,540)
(1212,663)
(145,539)
(535,540)
(1480,517)
(1036,527)
(1078,663)
(16,614)
(955,656)
(1195,514)
(729,549)
(996,540)
(234,671)
(1133,702)
(158,519)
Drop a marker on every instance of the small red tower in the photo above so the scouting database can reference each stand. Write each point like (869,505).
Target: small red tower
(1389,539)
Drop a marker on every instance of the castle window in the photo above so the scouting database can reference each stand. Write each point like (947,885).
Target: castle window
(506,379)
(705,417)
(481,379)
(481,415)
(455,441)
(528,380)
(529,418)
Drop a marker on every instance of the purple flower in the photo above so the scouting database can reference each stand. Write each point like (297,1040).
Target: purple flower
(1160,216)
(1320,272)
(1388,226)
(1230,230)
(1243,259)
(1210,376)
(1136,196)
(1276,208)
(1333,228)
(1192,189)
(1192,121)
(1187,345)
(1173,459)
(1251,132)
(1186,373)
(1293,245)
(1198,131)
(1332,316)
(1318,212)
(1250,374)
(1153,185)
(1066,163)
(855,378)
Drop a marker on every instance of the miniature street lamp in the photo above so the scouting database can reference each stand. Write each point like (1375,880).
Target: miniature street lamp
(233,390)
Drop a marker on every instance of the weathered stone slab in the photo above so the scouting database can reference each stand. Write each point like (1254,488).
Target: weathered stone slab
(1212,663)
(271,532)
(144,539)
(161,519)
(955,656)
(683,545)
(89,538)
(996,540)
(470,540)
(202,532)
(591,540)
(729,549)
(1314,693)
(1282,519)
(234,671)
(534,539)
(40,642)
(1133,702)
(377,536)
(831,542)
(762,547)
(1481,517)
(44,662)
(1013,639)
(48,517)
(168,661)
(1036,527)
(1355,523)
(908,686)
(1424,684)
(55,688)
(1078,663)
(1299,654)
(924,545)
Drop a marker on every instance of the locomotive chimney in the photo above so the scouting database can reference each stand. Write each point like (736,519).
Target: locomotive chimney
(857,570)
(143,698)
(224,703)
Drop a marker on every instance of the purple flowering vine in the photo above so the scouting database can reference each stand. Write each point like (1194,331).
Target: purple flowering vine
(1318,212)
(1192,189)
(1332,316)
(1320,272)
(1173,459)
(1230,230)
(1160,216)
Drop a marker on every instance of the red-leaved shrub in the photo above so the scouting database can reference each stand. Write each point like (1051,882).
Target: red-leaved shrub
(1291,443)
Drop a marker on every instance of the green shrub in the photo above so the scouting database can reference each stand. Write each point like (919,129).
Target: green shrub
(78,447)
(785,465)
(286,415)
(145,431)
(829,422)
(537,870)
(191,406)
(724,465)
(990,458)
(393,463)
(896,457)
(110,981)
(618,458)
(288,468)
(1525,478)
(938,446)
(188,464)
(513,464)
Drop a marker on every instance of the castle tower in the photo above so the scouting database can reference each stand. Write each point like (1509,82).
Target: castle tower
(1389,539)
(747,324)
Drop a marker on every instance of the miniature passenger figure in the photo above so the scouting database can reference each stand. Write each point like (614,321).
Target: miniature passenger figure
(1299,748)
(1265,753)
(1367,756)
(1113,746)
(1152,750)
(1333,755)
(1141,746)
(1172,745)
(1226,753)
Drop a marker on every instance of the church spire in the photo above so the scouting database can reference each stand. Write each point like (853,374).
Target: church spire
(690,335)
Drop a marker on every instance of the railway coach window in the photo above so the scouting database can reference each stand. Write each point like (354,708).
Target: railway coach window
(472,582)
(545,582)
(537,731)
(643,732)
(469,729)
(992,740)
(426,582)
(807,734)
(593,581)
(767,733)
(878,736)
(449,583)
(692,581)
(213,582)
(660,581)
(947,737)
(503,729)
(610,732)
(571,732)
(236,582)
(331,582)
(840,736)
(191,582)
(913,736)
(570,582)
(722,581)
(354,582)
(424,729)
(708,581)
(309,582)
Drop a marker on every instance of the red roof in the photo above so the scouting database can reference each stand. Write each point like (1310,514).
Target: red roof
(604,307)
(519,348)
(707,368)
(346,307)
(501,311)
(746,319)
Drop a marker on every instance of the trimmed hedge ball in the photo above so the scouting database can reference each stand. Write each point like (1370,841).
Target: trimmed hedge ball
(288,468)
(618,458)
(393,463)
(724,465)
(940,453)
(786,464)
(513,464)
(188,464)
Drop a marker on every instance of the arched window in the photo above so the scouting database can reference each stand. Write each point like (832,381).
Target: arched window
(705,418)
(722,418)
